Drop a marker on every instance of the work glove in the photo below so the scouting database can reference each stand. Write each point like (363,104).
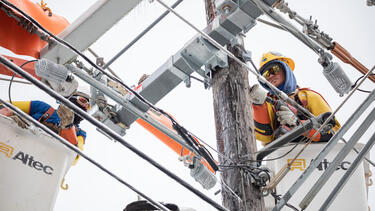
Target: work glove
(66,116)
(257,94)
(286,116)
(19,121)
(6,112)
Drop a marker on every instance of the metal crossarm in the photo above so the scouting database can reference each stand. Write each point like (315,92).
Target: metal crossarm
(89,27)
(196,53)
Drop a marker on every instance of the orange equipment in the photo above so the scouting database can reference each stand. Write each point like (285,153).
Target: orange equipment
(178,148)
(27,67)
(16,36)
(346,57)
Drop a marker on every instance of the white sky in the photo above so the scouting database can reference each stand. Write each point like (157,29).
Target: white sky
(350,23)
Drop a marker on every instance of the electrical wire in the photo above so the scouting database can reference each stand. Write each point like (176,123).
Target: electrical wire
(156,21)
(277,158)
(217,152)
(11,80)
(270,24)
(357,82)
(199,149)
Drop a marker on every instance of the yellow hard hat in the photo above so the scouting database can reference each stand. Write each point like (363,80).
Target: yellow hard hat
(271,55)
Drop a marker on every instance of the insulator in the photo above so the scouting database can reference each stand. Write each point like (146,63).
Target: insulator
(337,78)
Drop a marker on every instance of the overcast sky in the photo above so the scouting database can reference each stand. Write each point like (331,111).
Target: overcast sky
(350,23)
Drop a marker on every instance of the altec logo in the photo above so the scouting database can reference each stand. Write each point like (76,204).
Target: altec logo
(300,164)
(25,158)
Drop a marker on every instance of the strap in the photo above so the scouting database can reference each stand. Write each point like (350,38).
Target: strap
(46,115)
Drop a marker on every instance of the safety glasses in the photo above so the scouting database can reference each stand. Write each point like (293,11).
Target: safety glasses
(272,70)
(84,102)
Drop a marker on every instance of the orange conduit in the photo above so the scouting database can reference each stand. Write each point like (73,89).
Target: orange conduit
(176,147)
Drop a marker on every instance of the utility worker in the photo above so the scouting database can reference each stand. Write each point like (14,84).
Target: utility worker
(272,120)
(62,121)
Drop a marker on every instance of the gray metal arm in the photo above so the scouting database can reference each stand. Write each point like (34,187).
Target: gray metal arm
(281,141)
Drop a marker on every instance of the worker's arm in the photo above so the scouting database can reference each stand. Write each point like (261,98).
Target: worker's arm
(23,105)
(81,137)
(317,105)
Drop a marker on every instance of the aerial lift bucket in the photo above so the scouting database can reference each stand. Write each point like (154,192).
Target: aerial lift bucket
(352,197)
(33,165)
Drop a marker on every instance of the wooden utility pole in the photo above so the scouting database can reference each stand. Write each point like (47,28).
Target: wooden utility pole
(234,129)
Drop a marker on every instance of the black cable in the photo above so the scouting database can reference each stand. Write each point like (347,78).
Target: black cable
(254,172)
(104,72)
(11,80)
(195,145)
(217,152)
(355,84)
(271,159)
(276,158)
(9,88)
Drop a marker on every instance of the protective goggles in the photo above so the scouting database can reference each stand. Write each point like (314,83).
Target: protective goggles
(83,101)
(272,70)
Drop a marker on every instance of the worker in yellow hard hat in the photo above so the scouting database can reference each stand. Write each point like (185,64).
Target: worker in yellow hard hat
(272,120)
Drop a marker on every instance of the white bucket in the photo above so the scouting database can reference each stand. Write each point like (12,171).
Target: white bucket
(32,165)
(352,197)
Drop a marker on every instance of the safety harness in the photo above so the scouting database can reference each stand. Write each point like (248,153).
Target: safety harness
(67,133)
(46,115)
